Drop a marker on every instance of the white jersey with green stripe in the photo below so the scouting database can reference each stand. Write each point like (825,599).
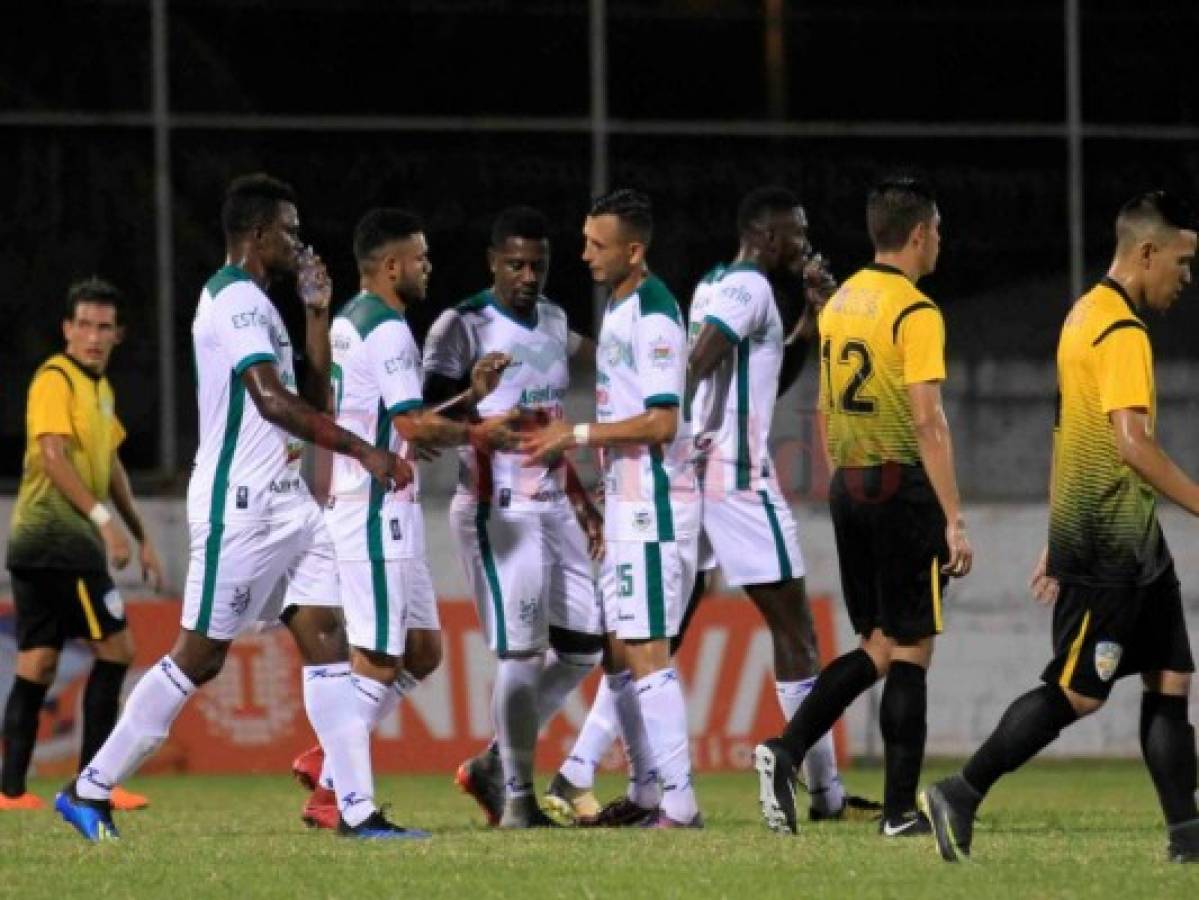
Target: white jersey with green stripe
(246,469)
(534,383)
(733,408)
(376,375)
(650,492)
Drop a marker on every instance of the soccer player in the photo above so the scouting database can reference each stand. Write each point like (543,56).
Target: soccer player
(387,591)
(651,508)
(1118,605)
(64,538)
(737,351)
(894,501)
(253,522)
(525,553)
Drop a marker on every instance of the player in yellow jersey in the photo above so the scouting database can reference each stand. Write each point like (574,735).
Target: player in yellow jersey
(64,538)
(894,502)
(1107,567)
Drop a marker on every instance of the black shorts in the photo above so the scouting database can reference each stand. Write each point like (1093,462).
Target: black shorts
(890,533)
(1101,634)
(54,605)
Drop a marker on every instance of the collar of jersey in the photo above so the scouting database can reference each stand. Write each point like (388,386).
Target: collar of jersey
(508,314)
(883,267)
(369,295)
(1112,285)
(83,370)
(744,266)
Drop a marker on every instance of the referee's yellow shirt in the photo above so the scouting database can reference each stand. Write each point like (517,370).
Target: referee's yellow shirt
(47,531)
(878,334)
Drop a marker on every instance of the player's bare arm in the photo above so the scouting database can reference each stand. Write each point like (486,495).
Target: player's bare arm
(122,498)
(316,292)
(281,407)
(1140,450)
(936,451)
(56,459)
(589,517)
(711,346)
(654,426)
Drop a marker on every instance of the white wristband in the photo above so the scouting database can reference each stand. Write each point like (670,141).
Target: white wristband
(100,515)
(582,434)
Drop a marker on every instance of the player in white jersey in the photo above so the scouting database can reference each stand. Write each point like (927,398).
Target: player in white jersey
(651,514)
(737,350)
(525,553)
(386,589)
(253,522)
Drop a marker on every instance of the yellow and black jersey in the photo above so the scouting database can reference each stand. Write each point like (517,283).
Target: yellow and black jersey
(1103,525)
(878,334)
(47,531)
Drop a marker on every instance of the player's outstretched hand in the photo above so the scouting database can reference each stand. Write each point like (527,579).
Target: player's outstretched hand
(545,445)
(495,432)
(487,373)
(961,555)
(1044,587)
(388,469)
(116,544)
(151,565)
(312,280)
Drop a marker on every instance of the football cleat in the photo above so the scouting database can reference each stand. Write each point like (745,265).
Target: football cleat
(776,787)
(855,809)
(619,813)
(482,778)
(950,806)
(321,809)
(523,812)
(26,801)
(91,818)
(306,768)
(376,827)
(565,803)
(127,801)
(1184,842)
(909,824)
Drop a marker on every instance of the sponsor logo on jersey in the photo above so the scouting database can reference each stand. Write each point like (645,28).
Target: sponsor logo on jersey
(661,353)
(395,530)
(404,362)
(642,520)
(243,497)
(736,293)
(1107,659)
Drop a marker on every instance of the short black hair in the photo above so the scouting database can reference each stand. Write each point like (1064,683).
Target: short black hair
(1152,212)
(632,208)
(252,201)
(381,226)
(519,222)
(896,205)
(93,289)
(762,202)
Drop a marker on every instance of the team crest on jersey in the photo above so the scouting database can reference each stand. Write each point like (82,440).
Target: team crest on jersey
(243,497)
(1107,659)
(396,534)
(736,293)
(404,362)
(530,610)
(617,352)
(642,520)
(114,604)
(661,353)
(241,599)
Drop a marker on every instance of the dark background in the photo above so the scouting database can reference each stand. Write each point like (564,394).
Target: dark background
(79,200)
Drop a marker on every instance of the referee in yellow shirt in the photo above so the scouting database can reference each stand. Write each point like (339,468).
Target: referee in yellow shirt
(63,537)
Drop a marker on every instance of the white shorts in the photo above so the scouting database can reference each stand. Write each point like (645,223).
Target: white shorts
(645,586)
(384,600)
(752,536)
(527,570)
(235,571)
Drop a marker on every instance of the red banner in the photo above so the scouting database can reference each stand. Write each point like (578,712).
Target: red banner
(251,718)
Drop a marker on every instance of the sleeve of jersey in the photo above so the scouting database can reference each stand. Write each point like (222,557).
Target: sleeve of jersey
(922,343)
(50,404)
(395,363)
(1124,367)
(447,347)
(737,306)
(661,360)
(240,322)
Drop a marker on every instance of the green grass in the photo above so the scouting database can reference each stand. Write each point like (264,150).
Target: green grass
(1057,830)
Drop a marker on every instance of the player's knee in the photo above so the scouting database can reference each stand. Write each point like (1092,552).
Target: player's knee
(1173,684)
(38,665)
(1083,705)
(422,653)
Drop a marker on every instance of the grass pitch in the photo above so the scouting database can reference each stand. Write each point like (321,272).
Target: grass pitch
(1053,830)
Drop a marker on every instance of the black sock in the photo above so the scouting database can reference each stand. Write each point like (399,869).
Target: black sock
(20,733)
(1168,745)
(836,687)
(903,719)
(101,704)
(1030,725)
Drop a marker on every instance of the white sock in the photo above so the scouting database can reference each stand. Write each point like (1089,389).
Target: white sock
(599,730)
(373,698)
(151,708)
(336,718)
(404,684)
(514,709)
(820,772)
(665,715)
(561,674)
(644,772)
